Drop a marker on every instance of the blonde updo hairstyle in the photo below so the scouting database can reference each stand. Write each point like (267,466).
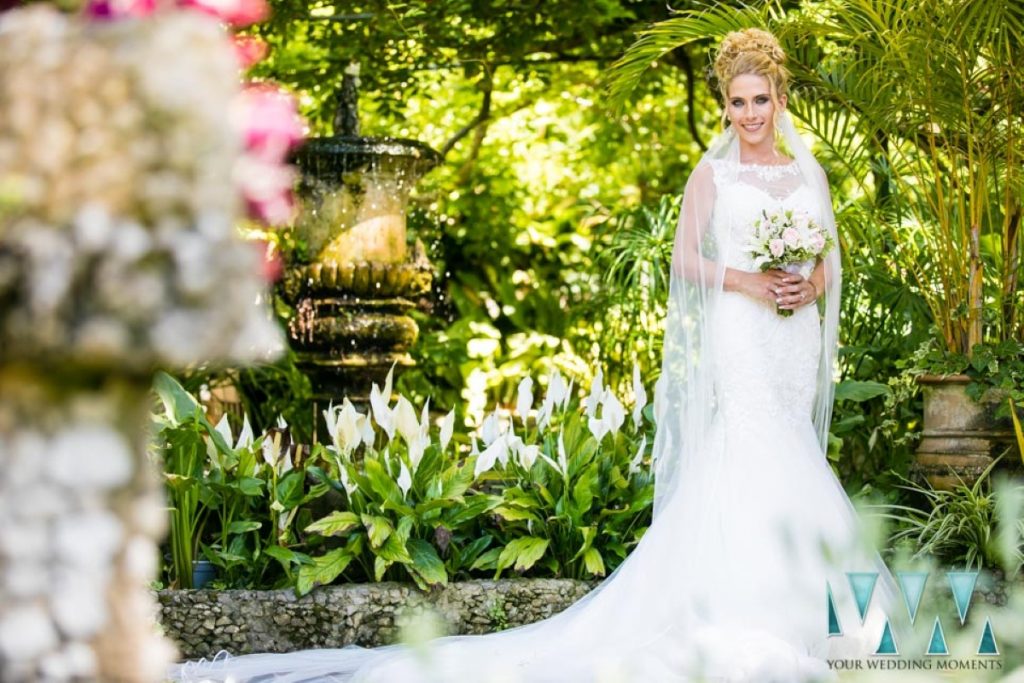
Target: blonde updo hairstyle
(751,51)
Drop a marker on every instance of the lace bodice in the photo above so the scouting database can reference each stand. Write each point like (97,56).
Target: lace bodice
(743,191)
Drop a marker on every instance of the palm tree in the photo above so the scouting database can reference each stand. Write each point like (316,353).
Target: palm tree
(918,104)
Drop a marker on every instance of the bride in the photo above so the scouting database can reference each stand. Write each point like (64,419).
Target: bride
(752,534)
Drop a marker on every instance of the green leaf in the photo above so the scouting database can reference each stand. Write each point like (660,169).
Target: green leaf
(242,526)
(394,550)
(852,390)
(380,565)
(512,513)
(322,571)
(250,486)
(426,562)
(287,556)
(523,553)
(334,524)
(378,529)
(488,560)
(593,562)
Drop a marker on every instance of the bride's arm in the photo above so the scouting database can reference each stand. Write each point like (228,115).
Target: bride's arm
(689,263)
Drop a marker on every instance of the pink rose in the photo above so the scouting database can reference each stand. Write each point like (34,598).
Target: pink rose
(234,12)
(791,236)
(777,247)
(112,10)
(269,119)
(249,50)
(817,242)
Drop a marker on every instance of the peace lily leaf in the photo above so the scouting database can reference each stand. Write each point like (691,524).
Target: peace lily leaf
(593,561)
(488,560)
(426,562)
(287,556)
(394,550)
(322,571)
(852,390)
(334,524)
(380,565)
(1017,429)
(511,514)
(378,529)
(250,486)
(522,552)
(242,526)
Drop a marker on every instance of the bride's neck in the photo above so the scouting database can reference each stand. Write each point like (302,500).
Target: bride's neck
(764,153)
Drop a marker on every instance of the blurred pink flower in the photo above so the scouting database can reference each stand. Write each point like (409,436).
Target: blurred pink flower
(249,50)
(791,236)
(776,247)
(113,10)
(817,242)
(272,264)
(234,12)
(269,119)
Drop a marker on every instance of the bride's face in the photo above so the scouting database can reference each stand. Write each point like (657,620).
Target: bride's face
(751,110)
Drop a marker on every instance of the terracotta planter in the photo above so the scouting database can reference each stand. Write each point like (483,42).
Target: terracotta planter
(960,437)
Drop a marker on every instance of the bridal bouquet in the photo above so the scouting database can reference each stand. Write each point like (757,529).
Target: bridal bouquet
(788,240)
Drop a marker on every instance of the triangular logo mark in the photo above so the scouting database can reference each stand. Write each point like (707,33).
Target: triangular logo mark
(962,584)
(912,586)
(887,645)
(987,644)
(863,585)
(937,644)
(834,629)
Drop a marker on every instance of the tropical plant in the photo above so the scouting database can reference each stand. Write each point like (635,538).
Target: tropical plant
(963,526)
(918,102)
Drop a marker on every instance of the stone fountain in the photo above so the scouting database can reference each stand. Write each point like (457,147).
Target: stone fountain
(353,298)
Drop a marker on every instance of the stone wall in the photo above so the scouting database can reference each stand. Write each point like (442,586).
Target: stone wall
(204,622)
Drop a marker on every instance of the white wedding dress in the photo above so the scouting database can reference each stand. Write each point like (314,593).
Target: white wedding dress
(729,582)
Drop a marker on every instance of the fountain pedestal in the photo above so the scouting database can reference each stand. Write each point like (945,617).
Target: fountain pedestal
(353,298)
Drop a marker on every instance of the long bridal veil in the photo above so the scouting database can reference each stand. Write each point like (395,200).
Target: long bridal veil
(651,619)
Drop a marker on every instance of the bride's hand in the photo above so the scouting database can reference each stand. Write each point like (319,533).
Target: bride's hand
(773,285)
(796,291)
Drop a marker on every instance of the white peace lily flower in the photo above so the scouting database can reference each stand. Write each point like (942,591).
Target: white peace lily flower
(474,448)
(417,448)
(612,411)
(271,448)
(490,430)
(637,461)
(593,400)
(568,394)
(386,393)
(556,387)
(223,428)
(382,414)
(447,428)
(406,421)
(528,455)
(424,434)
(497,450)
(348,432)
(639,395)
(330,419)
(245,437)
(598,427)
(524,398)
(404,478)
(366,430)
(514,445)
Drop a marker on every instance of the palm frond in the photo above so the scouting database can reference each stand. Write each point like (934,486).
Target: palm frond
(692,26)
